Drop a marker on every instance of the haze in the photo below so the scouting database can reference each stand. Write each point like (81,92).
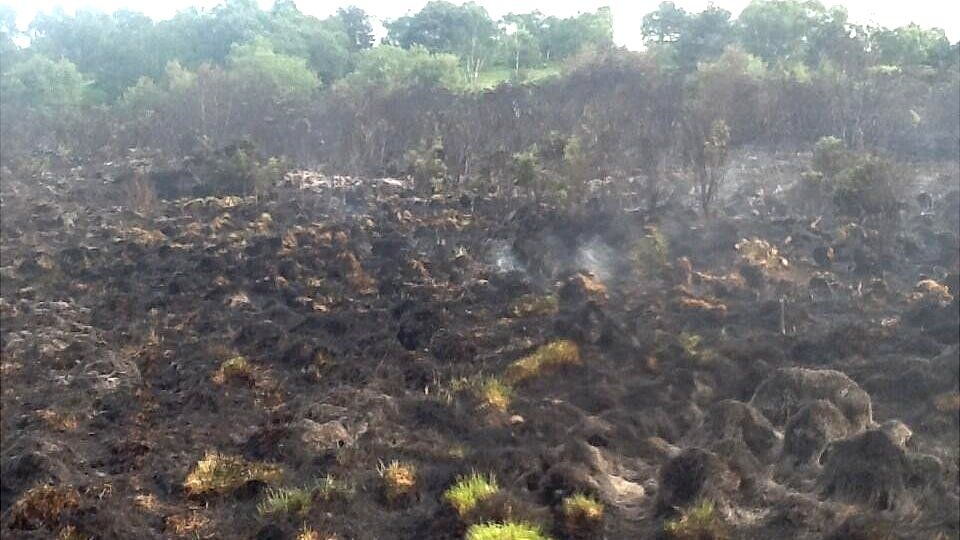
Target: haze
(627,13)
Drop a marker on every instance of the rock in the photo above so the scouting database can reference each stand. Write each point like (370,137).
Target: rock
(787,390)
(731,419)
(898,432)
(609,472)
(693,475)
(867,469)
(621,493)
(321,437)
(810,430)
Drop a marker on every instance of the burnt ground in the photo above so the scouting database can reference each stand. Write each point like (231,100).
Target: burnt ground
(807,383)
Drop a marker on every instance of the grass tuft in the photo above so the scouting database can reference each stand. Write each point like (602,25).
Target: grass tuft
(947,403)
(286,501)
(495,393)
(237,368)
(547,357)
(43,506)
(307,533)
(219,474)
(582,515)
(329,488)
(399,481)
(469,491)
(71,533)
(532,305)
(505,531)
(698,523)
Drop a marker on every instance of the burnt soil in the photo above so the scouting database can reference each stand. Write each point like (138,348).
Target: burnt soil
(366,309)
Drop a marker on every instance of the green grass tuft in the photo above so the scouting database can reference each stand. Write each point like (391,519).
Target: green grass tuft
(289,501)
(582,514)
(329,488)
(505,531)
(469,491)
(546,358)
(700,522)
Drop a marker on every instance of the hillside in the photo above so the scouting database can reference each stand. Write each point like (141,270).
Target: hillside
(165,370)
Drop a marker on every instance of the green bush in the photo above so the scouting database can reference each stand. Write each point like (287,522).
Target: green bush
(256,69)
(390,68)
(870,189)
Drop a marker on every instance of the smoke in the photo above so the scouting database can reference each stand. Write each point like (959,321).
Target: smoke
(596,257)
(503,257)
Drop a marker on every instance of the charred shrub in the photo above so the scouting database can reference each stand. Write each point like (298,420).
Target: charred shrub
(426,166)
(830,157)
(236,169)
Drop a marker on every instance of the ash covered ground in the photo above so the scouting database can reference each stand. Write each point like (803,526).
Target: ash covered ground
(773,372)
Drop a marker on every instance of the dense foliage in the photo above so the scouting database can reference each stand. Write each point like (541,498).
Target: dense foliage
(544,88)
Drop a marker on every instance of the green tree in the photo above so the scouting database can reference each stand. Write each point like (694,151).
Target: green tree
(323,43)
(356,24)
(9,51)
(665,25)
(564,38)
(911,45)
(706,36)
(520,39)
(681,39)
(43,86)
(466,30)
(257,69)
(115,50)
(779,31)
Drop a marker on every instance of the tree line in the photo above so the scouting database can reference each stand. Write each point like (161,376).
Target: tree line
(485,92)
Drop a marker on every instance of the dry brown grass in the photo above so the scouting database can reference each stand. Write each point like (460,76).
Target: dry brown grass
(236,369)
(220,474)
(582,516)
(705,306)
(931,292)
(582,287)
(59,421)
(495,394)
(43,506)
(947,403)
(532,305)
(358,279)
(399,482)
(190,524)
(71,533)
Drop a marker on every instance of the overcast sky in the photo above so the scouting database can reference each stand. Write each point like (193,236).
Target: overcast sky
(627,14)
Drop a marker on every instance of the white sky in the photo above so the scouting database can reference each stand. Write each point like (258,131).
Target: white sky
(627,14)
